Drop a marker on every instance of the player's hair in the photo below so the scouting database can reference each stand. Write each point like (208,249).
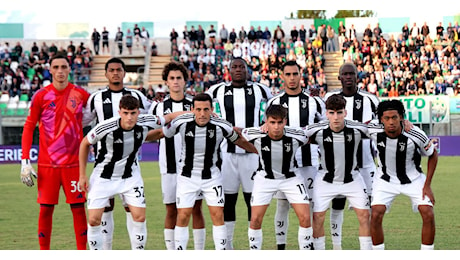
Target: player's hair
(393,104)
(276,111)
(129,102)
(202,97)
(335,102)
(115,60)
(290,63)
(174,66)
(59,56)
(238,58)
(348,64)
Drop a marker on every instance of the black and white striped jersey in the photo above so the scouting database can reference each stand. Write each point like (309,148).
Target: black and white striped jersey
(276,157)
(104,104)
(399,158)
(170,147)
(242,107)
(338,151)
(303,110)
(361,107)
(200,143)
(118,148)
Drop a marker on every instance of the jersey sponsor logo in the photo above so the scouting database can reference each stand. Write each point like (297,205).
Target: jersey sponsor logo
(107,101)
(228,93)
(328,139)
(266,148)
(381,144)
(190,134)
(211,133)
(358,104)
(118,141)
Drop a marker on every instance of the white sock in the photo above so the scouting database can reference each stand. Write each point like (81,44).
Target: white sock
(199,238)
(427,247)
(139,235)
(378,247)
(219,234)
(305,237)
(129,224)
(94,237)
(336,217)
(181,238)
(107,230)
(319,243)
(365,243)
(169,238)
(281,221)
(255,239)
(230,229)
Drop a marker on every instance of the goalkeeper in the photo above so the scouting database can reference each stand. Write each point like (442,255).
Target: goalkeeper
(58,110)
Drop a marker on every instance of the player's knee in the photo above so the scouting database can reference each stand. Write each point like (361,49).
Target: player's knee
(378,211)
(427,213)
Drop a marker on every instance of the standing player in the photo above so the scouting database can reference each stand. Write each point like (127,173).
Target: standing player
(338,141)
(201,137)
(361,106)
(399,172)
(103,105)
(175,77)
(105,40)
(240,103)
(119,40)
(117,170)
(303,110)
(58,110)
(277,173)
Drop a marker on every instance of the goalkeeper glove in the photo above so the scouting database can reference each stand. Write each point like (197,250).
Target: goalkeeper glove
(27,172)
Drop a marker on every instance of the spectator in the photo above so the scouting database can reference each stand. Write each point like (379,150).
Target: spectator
(105,40)
(223,34)
(95,38)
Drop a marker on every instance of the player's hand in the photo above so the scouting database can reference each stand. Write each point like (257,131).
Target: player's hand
(428,192)
(407,125)
(83,183)
(27,171)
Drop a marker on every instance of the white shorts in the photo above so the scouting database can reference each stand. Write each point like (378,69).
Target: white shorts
(293,188)
(239,169)
(354,191)
(368,174)
(131,191)
(168,188)
(308,173)
(189,188)
(385,193)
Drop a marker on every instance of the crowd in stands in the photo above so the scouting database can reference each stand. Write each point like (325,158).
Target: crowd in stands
(402,64)
(25,71)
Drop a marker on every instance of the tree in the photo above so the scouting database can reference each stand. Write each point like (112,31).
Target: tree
(310,14)
(354,13)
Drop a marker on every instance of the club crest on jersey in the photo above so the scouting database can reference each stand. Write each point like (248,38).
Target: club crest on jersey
(358,104)
(304,103)
(249,91)
(402,145)
(349,137)
(138,135)
(288,147)
(211,133)
(73,103)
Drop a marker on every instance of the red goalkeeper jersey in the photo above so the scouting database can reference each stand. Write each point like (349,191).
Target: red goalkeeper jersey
(59,116)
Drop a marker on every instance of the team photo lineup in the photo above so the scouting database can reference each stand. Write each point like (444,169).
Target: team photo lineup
(252,148)
(311,154)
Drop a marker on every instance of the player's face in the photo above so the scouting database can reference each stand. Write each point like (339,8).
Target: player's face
(115,73)
(348,77)
(336,119)
(202,111)
(291,77)
(128,118)
(392,121)
(275,127)
(60,70)
(238,71)
(175,81)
